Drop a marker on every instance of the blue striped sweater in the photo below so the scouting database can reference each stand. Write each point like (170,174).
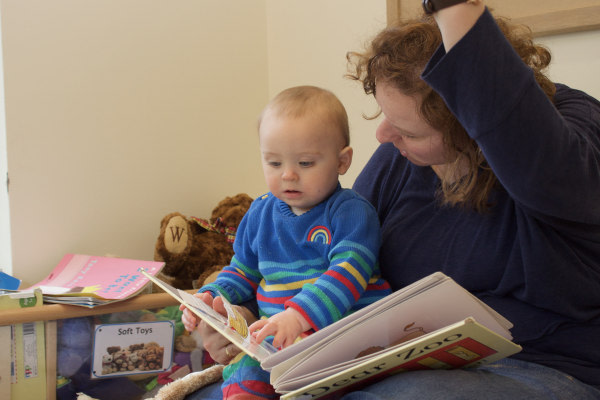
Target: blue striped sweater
(323,263)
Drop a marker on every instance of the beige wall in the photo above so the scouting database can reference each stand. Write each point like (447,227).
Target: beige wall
(121,111)
(575,60)
(308,41)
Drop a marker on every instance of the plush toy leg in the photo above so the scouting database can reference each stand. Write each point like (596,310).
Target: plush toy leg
(177,390)
(82,396)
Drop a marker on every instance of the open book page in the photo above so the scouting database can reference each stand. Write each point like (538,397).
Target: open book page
(232,326)
(398,319)
(506,324)
(323,336)
(465,343)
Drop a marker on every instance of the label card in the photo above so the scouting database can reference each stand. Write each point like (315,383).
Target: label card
(132,348)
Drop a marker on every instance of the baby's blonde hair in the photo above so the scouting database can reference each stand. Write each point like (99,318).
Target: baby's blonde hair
(298,101)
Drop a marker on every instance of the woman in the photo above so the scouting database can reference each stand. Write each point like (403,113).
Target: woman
(490,173)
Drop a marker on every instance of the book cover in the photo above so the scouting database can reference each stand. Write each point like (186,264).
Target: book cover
(89,281)
(9,282)
(461,345)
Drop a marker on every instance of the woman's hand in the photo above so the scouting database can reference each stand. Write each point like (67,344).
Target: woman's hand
(454,22)
(220,349)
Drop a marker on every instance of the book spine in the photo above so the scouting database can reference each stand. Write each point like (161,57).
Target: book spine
(26,353)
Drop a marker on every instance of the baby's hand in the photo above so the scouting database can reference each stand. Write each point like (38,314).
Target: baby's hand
(285,326)
(189,319)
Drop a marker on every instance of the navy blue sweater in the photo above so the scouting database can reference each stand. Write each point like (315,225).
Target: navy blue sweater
(535,257)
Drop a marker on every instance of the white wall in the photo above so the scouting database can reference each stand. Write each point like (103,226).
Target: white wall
(121,111)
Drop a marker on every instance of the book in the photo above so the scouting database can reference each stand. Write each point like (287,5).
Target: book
(23,367)
(430,324)
(234,327)
(9,282)
(90,281)
(6,362)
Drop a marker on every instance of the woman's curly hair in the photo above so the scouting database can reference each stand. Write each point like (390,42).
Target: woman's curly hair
(398,55)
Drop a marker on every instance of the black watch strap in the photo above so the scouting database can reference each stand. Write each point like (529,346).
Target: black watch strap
(431,6)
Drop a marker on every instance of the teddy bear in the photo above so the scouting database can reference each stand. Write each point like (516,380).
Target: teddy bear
(121,360)
(194,250)
(107,364)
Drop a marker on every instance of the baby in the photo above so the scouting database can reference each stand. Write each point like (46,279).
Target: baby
(307,250)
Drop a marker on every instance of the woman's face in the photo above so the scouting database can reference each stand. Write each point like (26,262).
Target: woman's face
(403,126)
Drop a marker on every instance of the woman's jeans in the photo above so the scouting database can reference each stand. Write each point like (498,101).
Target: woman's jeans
(505,379)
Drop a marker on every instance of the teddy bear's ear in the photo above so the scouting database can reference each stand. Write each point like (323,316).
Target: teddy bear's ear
(174,238)
(177,234)
(232,209)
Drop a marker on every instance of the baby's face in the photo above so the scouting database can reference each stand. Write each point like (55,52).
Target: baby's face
(302,159)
